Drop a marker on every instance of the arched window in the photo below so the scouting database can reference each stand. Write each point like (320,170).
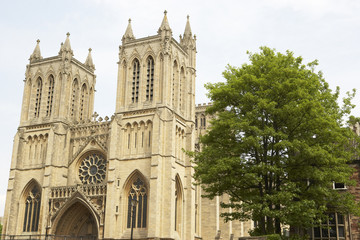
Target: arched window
(136,79)
(202,121)
(174,83)
(137,192)
(74,96)
(150,79)
(83,102)
(38,97)
(50,96)
(32,210)
(196,122)
(181,90)
(178,204)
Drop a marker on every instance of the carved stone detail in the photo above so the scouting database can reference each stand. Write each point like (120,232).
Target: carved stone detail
(94,194)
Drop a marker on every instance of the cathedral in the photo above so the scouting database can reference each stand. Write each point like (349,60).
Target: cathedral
(77,175)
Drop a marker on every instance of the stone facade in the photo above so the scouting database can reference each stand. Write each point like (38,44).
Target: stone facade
(74,173)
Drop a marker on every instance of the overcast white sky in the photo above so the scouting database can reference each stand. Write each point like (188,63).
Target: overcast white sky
(327,30)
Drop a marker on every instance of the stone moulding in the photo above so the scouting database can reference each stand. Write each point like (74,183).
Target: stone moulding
(94,195)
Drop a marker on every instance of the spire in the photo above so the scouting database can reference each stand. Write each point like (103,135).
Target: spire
(36,55)
(187,31)
(89,62)
(67,46)
(65,49)
(128,33)
(188,40)
(164,27)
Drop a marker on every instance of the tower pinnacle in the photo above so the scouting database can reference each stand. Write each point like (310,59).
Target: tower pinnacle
(36,55)
(89,62)
(65,49)
(164,27)
(128,33)
(188,40)
(67,45)
(187,31)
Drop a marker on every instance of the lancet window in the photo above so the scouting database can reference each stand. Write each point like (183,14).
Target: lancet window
(83,102)
(136,81)
(50,95)
(181,86)
(38,97)
(174,83)
(178,204)
(32,210)
(203,121)
(74,96)
(150,79)
(138,213)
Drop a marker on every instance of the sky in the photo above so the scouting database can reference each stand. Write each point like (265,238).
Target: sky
(326,30)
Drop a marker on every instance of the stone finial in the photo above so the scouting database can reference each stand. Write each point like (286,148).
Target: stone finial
(188,40)
(89,62)
(164,25)
(187,31)
(95,115)
(67,45)
(36,55)
(65,49)
(128,33)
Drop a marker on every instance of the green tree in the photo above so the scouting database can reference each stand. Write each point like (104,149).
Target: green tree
(277,144)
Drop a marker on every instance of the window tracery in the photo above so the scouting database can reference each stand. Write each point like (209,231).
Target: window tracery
(92,169)
(32,210)
(137,192)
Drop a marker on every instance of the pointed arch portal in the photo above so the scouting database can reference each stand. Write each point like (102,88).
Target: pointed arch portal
(77,221)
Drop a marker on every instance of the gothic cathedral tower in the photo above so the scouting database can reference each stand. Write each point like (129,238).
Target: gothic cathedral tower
(58,94)
(76,175)
(154,124)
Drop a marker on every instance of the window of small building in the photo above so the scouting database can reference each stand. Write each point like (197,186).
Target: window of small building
(331,228)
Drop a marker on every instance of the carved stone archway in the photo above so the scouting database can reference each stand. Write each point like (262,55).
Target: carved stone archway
(77,221)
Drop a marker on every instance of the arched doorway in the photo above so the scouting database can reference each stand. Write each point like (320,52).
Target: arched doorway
(77,221)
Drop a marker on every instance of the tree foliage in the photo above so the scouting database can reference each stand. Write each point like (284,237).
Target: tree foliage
(277,143)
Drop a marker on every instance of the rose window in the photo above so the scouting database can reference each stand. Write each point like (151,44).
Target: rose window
(92,169)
